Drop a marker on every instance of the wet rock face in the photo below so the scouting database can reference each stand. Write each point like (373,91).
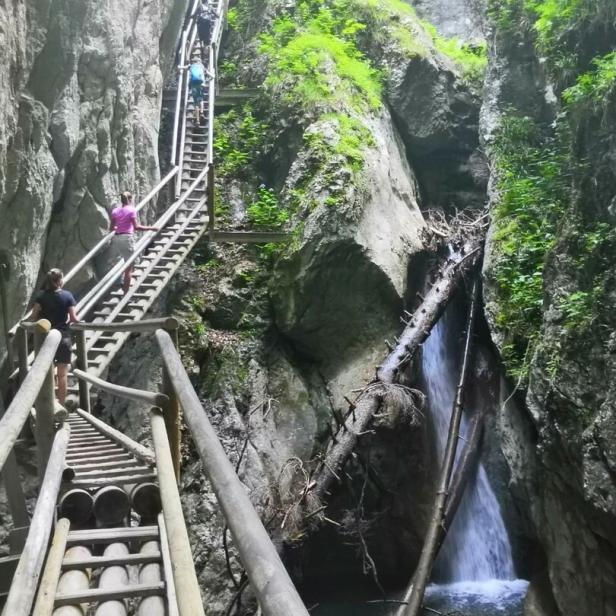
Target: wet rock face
(560,446)
(80,90)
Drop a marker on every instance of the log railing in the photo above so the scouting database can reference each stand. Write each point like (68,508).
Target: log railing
(270,581)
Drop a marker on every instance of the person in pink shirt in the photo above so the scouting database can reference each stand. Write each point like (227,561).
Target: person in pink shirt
(124,223)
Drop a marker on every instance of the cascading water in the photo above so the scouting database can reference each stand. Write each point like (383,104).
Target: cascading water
(476,547)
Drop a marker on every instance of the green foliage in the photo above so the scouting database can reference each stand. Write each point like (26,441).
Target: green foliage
(471,58)
(533,182)
(239,137)
(227,70)
(314,53)
(196,302)
(593,86)
(232,18)
(577,308)
(265,211)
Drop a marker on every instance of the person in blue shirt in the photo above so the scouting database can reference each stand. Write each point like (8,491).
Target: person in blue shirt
(196,78)
(57,306)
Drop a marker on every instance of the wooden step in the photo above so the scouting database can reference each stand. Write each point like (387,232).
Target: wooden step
(95,562)
(114,481)
(98,595)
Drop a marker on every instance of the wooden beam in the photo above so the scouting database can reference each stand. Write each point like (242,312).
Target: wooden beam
(145,325)
(73,580)
(115,578)
(184,575)
(94,562)
(19,410)
(53,567)
(150,573)
(250,237)
(108,535)
(272,585)
(129,393)
(97,595)
(25,581)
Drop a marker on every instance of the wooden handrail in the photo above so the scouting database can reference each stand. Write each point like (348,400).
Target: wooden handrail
(184,577)
(146,325)
(105,240)
(42,326)
(88,302)
(19,410)
(23,587)
(128,393)
(272,585)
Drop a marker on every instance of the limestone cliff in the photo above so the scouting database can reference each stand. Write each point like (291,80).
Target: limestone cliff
(80,92)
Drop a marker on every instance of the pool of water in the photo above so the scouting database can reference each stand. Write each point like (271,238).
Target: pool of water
(486,598)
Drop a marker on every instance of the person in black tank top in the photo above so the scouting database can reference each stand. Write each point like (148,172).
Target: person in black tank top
(57,306)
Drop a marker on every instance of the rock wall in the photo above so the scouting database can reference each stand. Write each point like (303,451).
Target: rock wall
(80,90)
(558,433)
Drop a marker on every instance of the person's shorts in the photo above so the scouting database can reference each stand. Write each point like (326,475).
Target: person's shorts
(124,245)
(63,354)
(196,91)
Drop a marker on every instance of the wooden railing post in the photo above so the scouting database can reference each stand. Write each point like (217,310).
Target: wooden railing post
(186,584)
(21,336)
(44,406)
(14,492)
(172,411)
(82,364)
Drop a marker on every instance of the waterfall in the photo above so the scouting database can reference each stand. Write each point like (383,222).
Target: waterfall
(477,547)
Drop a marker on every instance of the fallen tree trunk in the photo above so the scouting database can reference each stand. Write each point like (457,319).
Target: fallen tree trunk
(415,592)
(467,463)
(415,333)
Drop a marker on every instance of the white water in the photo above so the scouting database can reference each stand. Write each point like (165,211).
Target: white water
(477,547)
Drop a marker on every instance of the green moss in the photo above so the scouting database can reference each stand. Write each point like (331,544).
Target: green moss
(533,179)
(472,59)
(318,60)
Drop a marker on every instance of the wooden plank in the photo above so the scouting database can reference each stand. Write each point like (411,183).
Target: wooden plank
(113,472)
(108,535)
(112,481)
(147,325)
(98,595)
(250,237)
(49,582)
(139,451)
(172,602)
(80,468)
(103,454)
(107,561)
(25,581)
(184,575)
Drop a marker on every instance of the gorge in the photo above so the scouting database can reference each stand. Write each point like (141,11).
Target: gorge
(376,133)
